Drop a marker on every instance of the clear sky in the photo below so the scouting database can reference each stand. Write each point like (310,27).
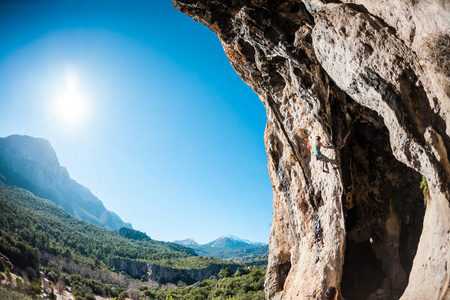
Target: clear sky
(142,106)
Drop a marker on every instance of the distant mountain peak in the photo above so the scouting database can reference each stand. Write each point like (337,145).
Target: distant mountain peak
(238,239)
(230,236)
(228,247)
(229,241)
(187,242)
(32,164)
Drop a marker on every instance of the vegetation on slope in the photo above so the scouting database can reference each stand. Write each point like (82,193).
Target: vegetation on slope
(243,285)
(236,255)
(77,253)
(43,225)
(19,253)
(6,294)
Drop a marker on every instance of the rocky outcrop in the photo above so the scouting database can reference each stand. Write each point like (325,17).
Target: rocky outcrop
(371,78)
(160,274)
(32,164)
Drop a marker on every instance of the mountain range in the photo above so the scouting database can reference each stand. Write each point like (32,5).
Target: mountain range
(46,239)
(228,247)
(32,164)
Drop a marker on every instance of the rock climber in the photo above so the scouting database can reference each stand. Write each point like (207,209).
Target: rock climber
(319,156)
(331,293)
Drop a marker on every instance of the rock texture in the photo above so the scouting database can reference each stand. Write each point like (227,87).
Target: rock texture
(163,275)
(372,79)
(32,164)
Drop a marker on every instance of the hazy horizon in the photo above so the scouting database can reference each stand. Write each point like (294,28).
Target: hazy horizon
(143,108)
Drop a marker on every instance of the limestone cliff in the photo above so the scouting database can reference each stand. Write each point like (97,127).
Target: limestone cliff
(372,79)
(160,274)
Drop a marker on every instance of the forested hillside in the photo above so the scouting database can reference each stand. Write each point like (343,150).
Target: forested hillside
(243,285)
(37,235)
(31,163)
(44,225)
(41,224)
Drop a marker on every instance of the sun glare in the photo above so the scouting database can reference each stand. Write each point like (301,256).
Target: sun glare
(71,106)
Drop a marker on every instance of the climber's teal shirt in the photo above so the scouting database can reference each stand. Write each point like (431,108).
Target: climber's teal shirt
(318,153)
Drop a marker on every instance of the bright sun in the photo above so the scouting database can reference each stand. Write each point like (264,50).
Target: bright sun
(71,106)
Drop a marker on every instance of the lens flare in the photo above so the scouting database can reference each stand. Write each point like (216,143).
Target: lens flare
(71,106)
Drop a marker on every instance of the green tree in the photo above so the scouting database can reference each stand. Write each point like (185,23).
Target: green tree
(36,289)
(223,273)
(172,296)
(52,276)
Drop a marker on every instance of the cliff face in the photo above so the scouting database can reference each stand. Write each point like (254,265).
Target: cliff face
(163,275)
(372,79)
(32,164)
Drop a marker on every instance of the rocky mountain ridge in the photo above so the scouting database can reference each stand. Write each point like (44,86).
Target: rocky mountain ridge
(228,247)
(372,79)
(32,164)
(187,242)
(232,242)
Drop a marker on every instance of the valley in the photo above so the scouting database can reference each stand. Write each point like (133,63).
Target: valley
(45,249)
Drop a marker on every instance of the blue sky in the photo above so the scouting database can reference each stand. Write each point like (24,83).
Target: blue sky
(164,132)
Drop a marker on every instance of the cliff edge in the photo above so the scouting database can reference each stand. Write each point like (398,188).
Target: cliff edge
(372,79)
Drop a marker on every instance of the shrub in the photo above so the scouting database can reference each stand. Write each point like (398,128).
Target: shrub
(149,294)
(6,294)
(8,275)
(223,273)
(52,276)
(19,282)
(424,185)
(35,288)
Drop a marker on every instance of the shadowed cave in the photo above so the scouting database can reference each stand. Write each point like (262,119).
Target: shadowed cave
(283,271)
(384,210)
